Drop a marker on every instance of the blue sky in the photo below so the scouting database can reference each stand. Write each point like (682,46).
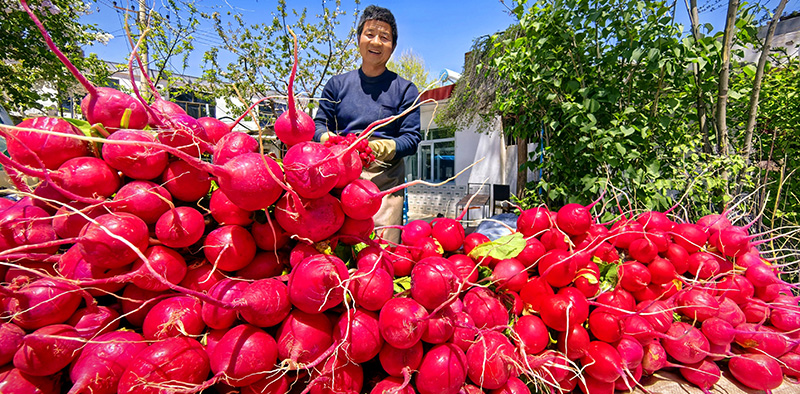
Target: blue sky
(439,31)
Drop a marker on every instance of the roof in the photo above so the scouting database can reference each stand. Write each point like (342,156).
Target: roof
(440,93)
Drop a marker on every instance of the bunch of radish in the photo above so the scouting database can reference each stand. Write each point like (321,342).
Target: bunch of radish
(136,265)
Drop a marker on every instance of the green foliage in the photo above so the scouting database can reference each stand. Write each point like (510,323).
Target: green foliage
(28,65)
(411,66)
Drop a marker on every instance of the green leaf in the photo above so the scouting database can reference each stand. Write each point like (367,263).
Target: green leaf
(502,248)
(82,125)
(402,284)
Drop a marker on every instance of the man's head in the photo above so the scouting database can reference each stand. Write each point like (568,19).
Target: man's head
(375,13)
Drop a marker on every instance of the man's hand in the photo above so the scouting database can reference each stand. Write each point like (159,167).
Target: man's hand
(325,136)
(383,150)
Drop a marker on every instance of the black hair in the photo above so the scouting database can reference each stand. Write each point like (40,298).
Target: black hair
(375,13)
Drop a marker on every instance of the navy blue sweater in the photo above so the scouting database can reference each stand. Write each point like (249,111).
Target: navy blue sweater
(351,101)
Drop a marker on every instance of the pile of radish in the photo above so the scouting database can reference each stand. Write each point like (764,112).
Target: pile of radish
(172,256)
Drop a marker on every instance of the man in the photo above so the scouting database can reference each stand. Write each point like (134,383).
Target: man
(353,100)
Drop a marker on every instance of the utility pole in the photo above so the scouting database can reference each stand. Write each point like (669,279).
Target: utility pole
(142,19)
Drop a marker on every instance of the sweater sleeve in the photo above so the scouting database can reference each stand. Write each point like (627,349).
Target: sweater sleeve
(408,136)
(325,117)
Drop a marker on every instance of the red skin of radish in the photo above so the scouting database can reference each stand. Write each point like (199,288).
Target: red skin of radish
(690,236)
(42,302)
(761,339)
(184,133)
(226,212)
(107,106)
(145,199)
(757,371)
(736,288)
(402,322)
(101,363)
(48,350)
(434,281)
(755,312)
(180,227)
(100,249)
(414,231)
(12,380)
(713,223)
(491,360)
(440,326)
(655,220)
(371,288)
(534,292)
(731,241)
(215,128)
(358,331)
(26,225)
(633,276)
(350,163)
(374,257)
(685,343)
(558,267)
(730,312)
(679,258)
(392,383)
(227,290)
(697,304)
(643,250)
(264,265)
(530,254)
(472,240)
(485,308)
(165,261)
(88,177)
(394,360)
(661,271)
(619,300)
(10,340)
(631,352)
(555,239)
(269,385)
(269,235)
(403,261)
(266,303)
(244,355)
(246,180)
(602,362)
(465,330)
(532,222)
(355,231)
(318,283)
(201,277)
(657,313)
(233,144)
(625,231)
(573,342)
(450,234)
(513,386)
(718,331)
(310,169)
(785,317)
(137,162)
(28,147)
(703,374)
(184,182)
(178,362)
(465,267)
(591,385)
(338,375)
(68,224)
(229,247)
(136,303)
(361,199)
(638,327)
(605,326)
(655,357)
(92,321)
(790,364)
(174,316)
(427,247)
(294,128)
(574,219)
(73,266)
(747,259)
(302,337)
(760,275)
(510,274)
(313,220)
(703,265)
(443,370)
(300,252)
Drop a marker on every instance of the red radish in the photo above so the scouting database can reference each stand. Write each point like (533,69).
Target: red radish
(790,364)
(201,277)
(318,283)
(513,386)
(293,127)
(602,362)
(226,212)
(661,271)
(414,231)
(631,352)
(679,257)
(94,320)
(755,312)
(730,312)
(174,316)
(625,231)
(443,370)
(761,275)
(302,337)
(67,223)
(137,302)
(434,281)
(312,220)
(85,178)
(592,385)
(554,238)
(180,227)
(472,240)
(559,312)
(310,169)
(228,290)
(605,325)
(736,288)
(685,343)
(251,180)
(23,225)
(338,375)
(215,128)
(229,247)
(657,313)
(185,182)
(690,236)
(402,322)
(371,288)
(558,267)
(703,374)
(427,247)
(532,222)
(243,355)
(392,384)
(732,241)
(394,361)
(31,148)
(703,265)
(349,162)
(264,265)
(785,317)
(266,303)
(534,292)
(137,162)
(358,332)
(718,331)
(573,342)
(355,231)
(655,357)
(42,302)
(180,363)
(618,300)
(48,350)
(491,360)
(532,333)
(233,144)
(373,257)
(757,371)
(12,380)
(697,304)
(643,250)
(102,362)
(269,235)
(485,308)
(655,220)
(465,267)
(713,223)
(102,249)
(464,331)
(449,232)
(269,385)
(169,264)
(510,274)
(633,276)
(10,340)
(108,106)
(574,219)
(440,326)
(185,134)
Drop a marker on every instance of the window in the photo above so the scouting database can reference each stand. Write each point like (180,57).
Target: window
(195,106)
(269,112)
(434,161)
(70,107)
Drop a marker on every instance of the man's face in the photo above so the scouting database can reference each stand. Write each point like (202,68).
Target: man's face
(375,43)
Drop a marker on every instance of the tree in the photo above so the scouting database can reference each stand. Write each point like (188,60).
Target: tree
(28,66)
(262,53)
(411,66)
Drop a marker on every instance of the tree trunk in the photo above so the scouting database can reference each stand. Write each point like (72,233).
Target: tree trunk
(724,78)
(522,170)
(762,62)
(702,117)
(143,55)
